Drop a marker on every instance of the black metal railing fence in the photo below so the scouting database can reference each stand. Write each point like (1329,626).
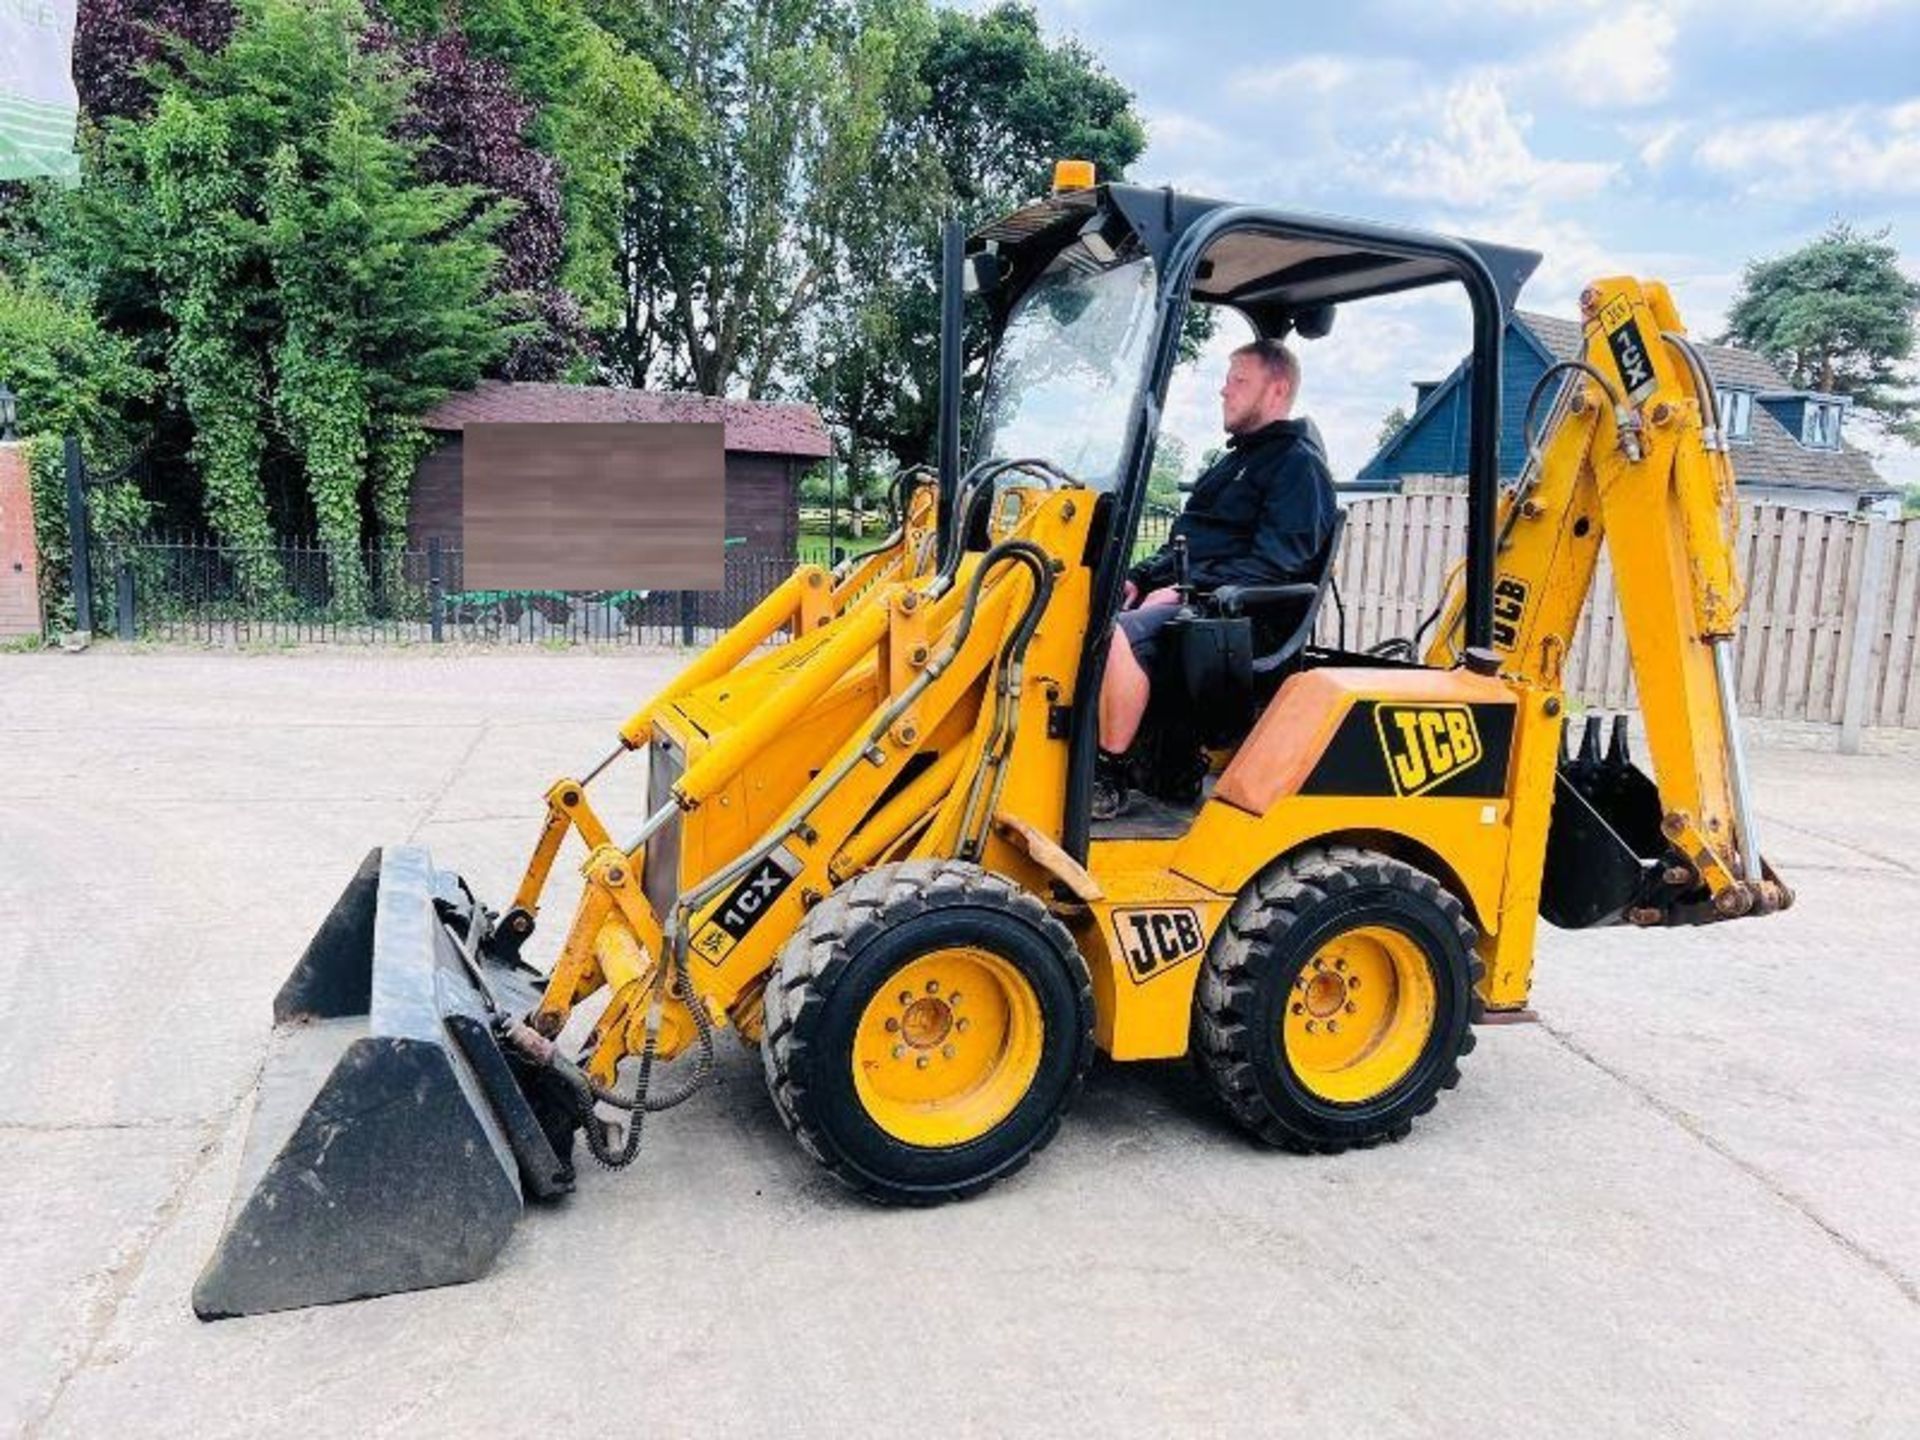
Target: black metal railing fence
(197,589)
(194,589)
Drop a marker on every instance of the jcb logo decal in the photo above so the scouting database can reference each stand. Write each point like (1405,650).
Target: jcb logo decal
(1153,938)
(1426,744)
(746,906)
(1509,609)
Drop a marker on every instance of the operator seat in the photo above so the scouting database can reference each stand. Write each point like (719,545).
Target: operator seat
(1283,616)
(1221,660)
(1229,650)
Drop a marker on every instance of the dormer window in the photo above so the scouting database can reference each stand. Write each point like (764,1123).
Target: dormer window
(1821,428)
(1736,413)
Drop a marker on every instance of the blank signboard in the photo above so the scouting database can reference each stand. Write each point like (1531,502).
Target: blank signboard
(593,507)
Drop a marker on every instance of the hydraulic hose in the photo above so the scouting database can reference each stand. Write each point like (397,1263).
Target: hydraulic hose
(643,1102)
(1008,666)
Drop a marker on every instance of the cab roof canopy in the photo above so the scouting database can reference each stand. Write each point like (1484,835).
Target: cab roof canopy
(1274,277)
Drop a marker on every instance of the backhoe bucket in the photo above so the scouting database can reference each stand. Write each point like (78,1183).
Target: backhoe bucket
(391,1145)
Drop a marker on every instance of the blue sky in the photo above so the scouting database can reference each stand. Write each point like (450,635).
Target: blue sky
(1670,140)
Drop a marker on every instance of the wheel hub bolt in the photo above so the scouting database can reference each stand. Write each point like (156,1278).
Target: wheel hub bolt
(1332,1026)
(892,1024)
(947,1051)
(921,1063)
(1310,1027)
(906,997)
(899,1052)
(1351,1007)
(961,1025)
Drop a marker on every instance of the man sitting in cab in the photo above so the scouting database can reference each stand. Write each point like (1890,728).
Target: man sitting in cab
(1260,515)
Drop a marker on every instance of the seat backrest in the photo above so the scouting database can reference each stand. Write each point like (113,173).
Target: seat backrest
(1281,655)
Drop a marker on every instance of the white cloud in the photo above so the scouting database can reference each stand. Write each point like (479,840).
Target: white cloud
(1175,130)
(1480,157)
(1827,15)
(1352,377)
(1658,143)
(1314,75)
(1622,60)
(1897,462)
(1853,150)
(1824,17)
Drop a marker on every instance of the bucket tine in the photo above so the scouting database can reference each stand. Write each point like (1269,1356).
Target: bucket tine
(1619,756)
(1590,742)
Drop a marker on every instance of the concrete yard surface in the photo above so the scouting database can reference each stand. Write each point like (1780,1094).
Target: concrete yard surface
(1682,1204)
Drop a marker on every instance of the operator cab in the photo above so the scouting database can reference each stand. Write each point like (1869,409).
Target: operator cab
(1094,295)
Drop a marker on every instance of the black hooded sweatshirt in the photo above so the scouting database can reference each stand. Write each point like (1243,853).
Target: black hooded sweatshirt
(1260,515)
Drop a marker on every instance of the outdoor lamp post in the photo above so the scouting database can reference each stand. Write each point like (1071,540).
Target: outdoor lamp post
(6,414)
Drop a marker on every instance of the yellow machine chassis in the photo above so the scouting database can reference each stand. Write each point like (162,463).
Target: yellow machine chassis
(893,727)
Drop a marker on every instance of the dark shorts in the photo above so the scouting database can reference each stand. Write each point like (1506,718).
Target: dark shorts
(1142,627)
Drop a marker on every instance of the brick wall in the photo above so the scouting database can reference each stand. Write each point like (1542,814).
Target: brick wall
(19,568)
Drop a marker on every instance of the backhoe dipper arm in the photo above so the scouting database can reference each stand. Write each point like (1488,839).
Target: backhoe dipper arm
(1633,454)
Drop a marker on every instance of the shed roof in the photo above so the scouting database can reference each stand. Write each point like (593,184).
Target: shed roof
(1770,455)
(754,426)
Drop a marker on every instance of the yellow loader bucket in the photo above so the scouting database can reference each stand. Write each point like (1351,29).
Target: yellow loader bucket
(392,1145)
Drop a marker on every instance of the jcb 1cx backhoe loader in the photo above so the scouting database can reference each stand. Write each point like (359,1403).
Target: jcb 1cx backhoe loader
(868,851)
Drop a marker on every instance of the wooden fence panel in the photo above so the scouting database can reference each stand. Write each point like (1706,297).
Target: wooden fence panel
(1808,575)
(1898,693)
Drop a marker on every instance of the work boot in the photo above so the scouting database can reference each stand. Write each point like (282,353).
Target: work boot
(1110,793)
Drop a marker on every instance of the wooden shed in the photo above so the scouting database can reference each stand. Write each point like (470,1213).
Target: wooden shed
(769,447)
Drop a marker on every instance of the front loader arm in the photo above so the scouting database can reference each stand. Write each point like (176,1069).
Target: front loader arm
(1632,455)
(801,604)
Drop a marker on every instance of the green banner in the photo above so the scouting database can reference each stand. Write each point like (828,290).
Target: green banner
(38,106)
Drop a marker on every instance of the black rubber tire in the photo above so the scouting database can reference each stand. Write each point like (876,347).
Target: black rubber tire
(849,946)
(1275,927)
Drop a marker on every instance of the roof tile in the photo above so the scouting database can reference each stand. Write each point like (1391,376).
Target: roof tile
(1769,456)
(756,426)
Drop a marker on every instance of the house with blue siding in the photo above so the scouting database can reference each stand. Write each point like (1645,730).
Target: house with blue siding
(1788,445)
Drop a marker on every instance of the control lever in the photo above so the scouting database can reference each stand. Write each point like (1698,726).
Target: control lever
(1182,572)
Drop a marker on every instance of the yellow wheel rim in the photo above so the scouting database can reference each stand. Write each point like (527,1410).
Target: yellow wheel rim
(1359,1015)
(947,1047)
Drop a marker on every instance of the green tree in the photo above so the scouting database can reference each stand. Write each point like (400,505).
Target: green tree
(741,208)
(363,263)
(598,101)
(1169,468)
(310,293)
(1837,315)
(1003,104)
(998,104)
(69,377)
(1394,422)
